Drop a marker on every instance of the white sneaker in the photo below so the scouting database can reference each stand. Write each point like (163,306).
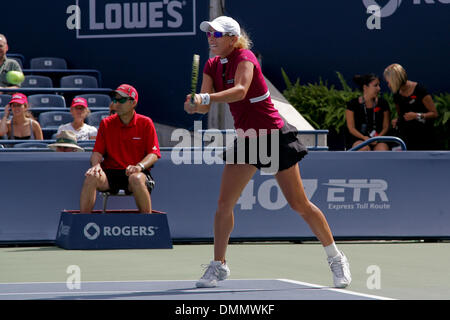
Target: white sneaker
(341,270)
(215,271)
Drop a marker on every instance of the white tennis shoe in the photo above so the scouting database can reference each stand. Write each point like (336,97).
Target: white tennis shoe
(341,270)
(215,271)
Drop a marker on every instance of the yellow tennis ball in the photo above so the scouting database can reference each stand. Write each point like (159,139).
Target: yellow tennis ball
(15,77)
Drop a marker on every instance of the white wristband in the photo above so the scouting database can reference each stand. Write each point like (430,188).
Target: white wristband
(205,98)
(141,165)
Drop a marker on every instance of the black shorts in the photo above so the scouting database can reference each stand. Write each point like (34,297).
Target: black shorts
(118,180)
(249,150)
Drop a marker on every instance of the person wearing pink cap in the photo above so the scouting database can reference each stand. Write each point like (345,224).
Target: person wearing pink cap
(79,110)
(125,149)
(22,126)
(234,76)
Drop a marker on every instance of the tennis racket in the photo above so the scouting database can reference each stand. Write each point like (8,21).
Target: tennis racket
(194,77)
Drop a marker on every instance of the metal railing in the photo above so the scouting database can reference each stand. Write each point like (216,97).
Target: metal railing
(314,147)
(378,139)
(8,145)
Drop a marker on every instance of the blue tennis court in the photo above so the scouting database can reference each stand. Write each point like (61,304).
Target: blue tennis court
(255,289)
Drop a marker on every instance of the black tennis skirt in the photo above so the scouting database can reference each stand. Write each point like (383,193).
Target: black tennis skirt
(271,153)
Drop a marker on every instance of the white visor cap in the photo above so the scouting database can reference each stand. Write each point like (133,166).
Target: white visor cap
(222,24)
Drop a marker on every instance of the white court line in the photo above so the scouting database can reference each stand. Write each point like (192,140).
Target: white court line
(345,291)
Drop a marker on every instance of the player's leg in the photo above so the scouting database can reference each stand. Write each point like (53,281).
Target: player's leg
(137,185)
(92,183)
(234,179)
(291,185)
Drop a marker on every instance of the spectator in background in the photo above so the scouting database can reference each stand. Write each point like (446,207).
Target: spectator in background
(125,149)
(66,141)
(22,126)
(112,109)
(6,64)
(367,116)
(80,111)
(415,108)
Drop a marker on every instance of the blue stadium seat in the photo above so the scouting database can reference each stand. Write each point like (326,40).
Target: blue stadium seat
(97,100)
(48,63)
(53,119)
(4,99)
(79,81)
(2,113)
(19,61)
(95,118)
(31,145)
(46,101)
(16,56)
(32,81)
(86,143)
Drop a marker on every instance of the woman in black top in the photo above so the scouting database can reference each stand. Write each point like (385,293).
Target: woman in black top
(415,108)
(368,115)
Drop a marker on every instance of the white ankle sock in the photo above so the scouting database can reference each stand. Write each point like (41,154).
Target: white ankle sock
(331,250)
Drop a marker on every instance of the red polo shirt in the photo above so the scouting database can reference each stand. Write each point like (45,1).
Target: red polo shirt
(123,145)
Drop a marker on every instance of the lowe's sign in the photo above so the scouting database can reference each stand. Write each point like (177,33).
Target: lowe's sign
(119,19)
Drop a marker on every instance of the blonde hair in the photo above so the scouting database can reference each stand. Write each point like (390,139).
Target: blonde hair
(243,42)
(396,76)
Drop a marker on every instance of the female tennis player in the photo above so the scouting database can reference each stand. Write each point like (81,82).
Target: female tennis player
(234,76)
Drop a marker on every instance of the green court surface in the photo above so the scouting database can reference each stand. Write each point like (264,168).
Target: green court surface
(397,270)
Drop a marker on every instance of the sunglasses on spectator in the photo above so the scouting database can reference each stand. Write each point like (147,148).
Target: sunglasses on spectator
(121,100)
(217,34)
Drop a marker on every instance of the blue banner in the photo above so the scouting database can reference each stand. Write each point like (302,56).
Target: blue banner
(124,230)
(362,194)
(121,19)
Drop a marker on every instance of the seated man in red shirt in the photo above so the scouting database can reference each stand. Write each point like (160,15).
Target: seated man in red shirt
(125,148)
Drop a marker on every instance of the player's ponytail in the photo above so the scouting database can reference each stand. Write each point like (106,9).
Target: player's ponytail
(243,42)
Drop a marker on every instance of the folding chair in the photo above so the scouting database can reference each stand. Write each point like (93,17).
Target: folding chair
(150,182)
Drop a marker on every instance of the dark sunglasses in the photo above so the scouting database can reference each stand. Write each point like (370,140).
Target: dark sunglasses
(121,100)
(217,34)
